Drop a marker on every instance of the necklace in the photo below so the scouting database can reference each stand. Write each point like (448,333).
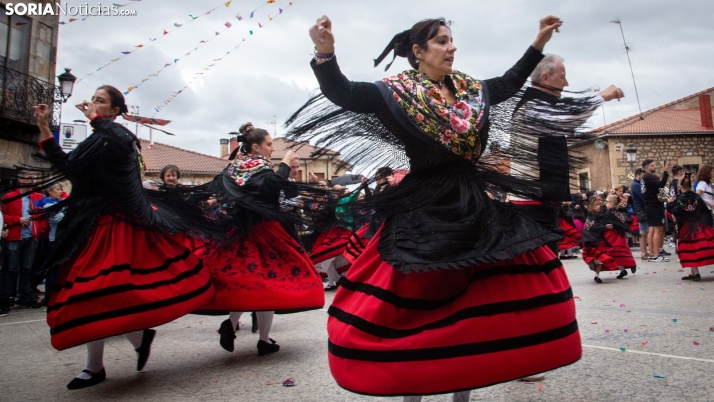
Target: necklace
(439,84)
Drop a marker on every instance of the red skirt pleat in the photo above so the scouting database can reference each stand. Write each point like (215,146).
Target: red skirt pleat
(441,331)
(572,238)
(356,244)
(330,243)
(599,252)
(266,271)
(124,279)
(619,250)
(695,248)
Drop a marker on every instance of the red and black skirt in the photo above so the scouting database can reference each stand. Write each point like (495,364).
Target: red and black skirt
(329,244)
(441,331)
(695,247)
(598,252)
(619,250)
(266,271)
(634,224)
(356,244)
(572,238)
(125,279)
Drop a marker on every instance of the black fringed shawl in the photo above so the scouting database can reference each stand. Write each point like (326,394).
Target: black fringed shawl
(439,216)
(105,171)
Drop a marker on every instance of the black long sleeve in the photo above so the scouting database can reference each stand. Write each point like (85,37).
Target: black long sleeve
(360,97)
(502,88)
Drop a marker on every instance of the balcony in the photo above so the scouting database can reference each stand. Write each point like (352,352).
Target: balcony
(20,92)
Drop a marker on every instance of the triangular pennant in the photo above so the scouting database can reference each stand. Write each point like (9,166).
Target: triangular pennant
(217,33)
(126,52)
(251,13)
(259,25)
(72,19)
(175,60)
(228,24)
(152,39)
(228,3)
(271,1)
(177,25)
(166,32)
(280,10)
(192,17)
(270,18)
(114,60)
(139,46)
(251,32)
(239,17)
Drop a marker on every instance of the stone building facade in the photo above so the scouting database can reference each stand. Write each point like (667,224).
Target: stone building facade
(679,132)
(28,53)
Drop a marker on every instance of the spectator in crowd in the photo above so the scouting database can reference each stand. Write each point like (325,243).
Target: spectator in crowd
(704,186)
(54,195)
(677,175)
(170,175)
(20,245)
(294,169)
(654,208)
(638,205)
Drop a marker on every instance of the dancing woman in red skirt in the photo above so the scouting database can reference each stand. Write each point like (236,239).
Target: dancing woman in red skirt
(695,245)
(453,284)
(124,267)
(262,268)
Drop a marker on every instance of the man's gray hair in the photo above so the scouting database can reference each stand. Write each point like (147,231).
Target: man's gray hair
(547,65)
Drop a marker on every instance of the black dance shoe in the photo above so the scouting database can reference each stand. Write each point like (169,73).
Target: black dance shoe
(145,349)
(633,269)
(253,322)
(697,278)
(598,280)
(622,274)
(79,383)
(228,335)
(265,348)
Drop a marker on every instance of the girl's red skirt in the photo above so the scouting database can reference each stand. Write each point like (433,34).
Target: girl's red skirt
(441,331)
(572,238)
(266,271)
(695,247)
(598,252)
(125,279)
(634,224)
(356,244)
(329,244)
(619,250)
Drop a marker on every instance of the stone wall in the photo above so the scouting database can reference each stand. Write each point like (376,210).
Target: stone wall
(598,168)
(43,46)
(676,150)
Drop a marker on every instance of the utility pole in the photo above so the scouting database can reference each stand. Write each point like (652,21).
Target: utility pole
(274,122)
(628,49)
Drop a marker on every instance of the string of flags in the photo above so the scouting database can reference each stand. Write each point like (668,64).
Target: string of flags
(198,75)
(71,20)
(165,32)
(228,25)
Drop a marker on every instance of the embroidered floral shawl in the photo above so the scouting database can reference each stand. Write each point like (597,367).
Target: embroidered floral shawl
(247,166)
(456,127)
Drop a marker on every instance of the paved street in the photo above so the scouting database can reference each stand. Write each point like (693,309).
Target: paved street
(662,323)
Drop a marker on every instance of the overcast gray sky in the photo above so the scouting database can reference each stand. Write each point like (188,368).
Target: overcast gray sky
(269,74)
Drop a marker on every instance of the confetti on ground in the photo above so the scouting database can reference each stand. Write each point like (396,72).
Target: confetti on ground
(622,349)
(607,331)
(679,284)
(595,322)
(659,376)
(695,343)
(644,325)
(643,344)
(289,382)
(528,382)
(711,329)
(681,270)
(702,288)
(613,301)
(625,330)
(622,304)
(540,387)
(674,320)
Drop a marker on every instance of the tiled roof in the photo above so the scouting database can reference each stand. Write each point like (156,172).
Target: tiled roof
(303,150)
(668,118)
(160,155)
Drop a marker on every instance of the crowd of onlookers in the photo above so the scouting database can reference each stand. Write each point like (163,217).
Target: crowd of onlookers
(646,202)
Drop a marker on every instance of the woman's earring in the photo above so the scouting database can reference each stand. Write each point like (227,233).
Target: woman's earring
(417,61)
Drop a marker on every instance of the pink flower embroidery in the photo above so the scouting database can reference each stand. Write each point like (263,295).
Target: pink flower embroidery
(446,138)
(460,115)
(419,118)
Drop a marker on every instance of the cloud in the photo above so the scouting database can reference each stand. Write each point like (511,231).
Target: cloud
(269,75)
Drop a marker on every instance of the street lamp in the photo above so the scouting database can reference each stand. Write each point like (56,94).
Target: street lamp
(66,80)
(631,155)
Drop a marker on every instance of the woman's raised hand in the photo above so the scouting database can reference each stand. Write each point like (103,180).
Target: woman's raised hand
(88,108)
(42,113)
(321,34)
(547,26)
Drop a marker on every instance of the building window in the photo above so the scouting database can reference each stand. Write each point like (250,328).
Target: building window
(584,182)
(14,42)
(693,169)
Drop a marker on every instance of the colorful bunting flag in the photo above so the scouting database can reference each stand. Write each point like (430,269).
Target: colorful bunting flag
(239,17)
(259,25)
(177,25)
(126,52)
(228,24)
(228,3)
(166,32)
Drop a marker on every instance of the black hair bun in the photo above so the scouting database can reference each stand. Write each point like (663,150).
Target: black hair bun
(240,138)
(246,128)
